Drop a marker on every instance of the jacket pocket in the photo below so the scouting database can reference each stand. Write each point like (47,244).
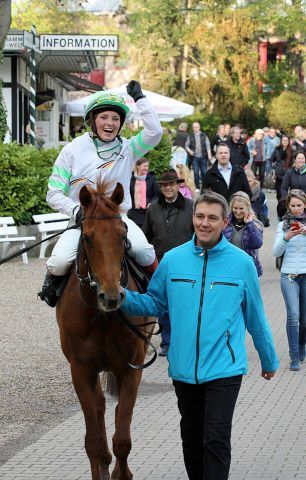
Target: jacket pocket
(184,280)
(228,344)
(229,284)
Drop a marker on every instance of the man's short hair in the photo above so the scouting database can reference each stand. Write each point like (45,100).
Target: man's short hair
(212,197)
(233,129)
(222,144)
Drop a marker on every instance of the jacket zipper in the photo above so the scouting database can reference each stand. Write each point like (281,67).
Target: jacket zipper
(186,280)
(200,316)
(212,284)
(228,334)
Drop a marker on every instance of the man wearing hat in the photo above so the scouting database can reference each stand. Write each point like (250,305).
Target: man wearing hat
(168,224)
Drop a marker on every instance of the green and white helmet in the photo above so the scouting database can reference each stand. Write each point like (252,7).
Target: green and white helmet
(106,101)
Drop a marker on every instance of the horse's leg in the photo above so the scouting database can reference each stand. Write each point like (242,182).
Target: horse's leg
(86,384)
(122,444)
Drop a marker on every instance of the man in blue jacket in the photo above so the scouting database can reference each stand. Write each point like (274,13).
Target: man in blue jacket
(210,289)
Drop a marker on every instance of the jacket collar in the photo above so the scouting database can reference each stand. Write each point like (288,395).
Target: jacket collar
(221,245)
(179,202)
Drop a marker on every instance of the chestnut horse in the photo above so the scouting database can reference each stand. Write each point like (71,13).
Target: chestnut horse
(93,336)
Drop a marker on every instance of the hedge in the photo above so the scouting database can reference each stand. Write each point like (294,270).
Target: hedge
(25,172)
(24,178)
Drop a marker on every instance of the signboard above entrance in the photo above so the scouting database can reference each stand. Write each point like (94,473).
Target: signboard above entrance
(79,42)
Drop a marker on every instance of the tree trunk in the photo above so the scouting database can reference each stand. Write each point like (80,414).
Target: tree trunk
(5,16)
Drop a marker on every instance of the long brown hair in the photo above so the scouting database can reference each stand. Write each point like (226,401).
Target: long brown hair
(288,162)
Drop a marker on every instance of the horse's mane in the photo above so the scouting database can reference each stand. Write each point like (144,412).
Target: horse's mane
(101,201)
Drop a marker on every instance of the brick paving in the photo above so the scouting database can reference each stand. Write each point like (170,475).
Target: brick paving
(269,433)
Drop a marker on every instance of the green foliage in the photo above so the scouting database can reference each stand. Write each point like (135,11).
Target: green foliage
(3,124)
(24,178)
(287,111)
(160,156)
(59,17)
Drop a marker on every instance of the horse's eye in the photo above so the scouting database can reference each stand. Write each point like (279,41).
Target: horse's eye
(88,240)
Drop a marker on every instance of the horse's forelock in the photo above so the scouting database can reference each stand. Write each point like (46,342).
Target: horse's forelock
(101,202)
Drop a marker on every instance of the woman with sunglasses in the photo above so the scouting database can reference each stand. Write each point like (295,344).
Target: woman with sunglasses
(290,241)
(100,154)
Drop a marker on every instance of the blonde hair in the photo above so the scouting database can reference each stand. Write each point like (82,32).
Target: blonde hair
(243,198)
(184,173)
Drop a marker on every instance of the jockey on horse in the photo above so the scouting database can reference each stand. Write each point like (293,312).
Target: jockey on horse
(100,154)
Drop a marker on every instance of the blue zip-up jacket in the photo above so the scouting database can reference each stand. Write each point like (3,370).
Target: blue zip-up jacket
(212,296)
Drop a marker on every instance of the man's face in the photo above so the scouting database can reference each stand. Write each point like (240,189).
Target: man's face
(170,190)
(223,156)
(272,132)
(236,135)
(208,224)
(227,129)
(196,127)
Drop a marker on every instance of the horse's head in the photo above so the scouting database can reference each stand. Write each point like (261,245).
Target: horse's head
(103,237)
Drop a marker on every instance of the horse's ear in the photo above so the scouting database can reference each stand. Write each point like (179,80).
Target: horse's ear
(85,197)
(118,194)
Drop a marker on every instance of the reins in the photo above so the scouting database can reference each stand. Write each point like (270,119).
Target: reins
(27,249)
(123,318)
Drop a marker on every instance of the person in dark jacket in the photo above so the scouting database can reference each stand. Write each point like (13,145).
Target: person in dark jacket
(239,151)
(244,230)
(168,224)
(144,189)
(198,147)
(224,177)
(181,135)
(295,177)
(258,201)
(281,160)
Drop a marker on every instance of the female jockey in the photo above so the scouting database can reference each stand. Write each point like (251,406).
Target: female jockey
(100,154)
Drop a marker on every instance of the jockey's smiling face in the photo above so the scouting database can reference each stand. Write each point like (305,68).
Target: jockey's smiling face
(108,125)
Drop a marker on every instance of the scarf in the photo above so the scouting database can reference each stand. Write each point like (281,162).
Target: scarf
(288,218)
(140,191)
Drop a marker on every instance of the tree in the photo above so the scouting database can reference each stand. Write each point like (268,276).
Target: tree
(5,15)
(288,110)
(207,52)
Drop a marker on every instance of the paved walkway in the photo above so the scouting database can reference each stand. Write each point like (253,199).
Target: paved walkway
(269,434)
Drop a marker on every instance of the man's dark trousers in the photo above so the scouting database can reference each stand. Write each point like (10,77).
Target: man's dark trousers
(207,411)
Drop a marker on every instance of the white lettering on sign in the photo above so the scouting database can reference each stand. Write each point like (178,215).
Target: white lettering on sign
(79,42)
(13,42)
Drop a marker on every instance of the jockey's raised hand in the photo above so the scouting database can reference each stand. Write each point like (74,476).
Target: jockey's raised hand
(133,88)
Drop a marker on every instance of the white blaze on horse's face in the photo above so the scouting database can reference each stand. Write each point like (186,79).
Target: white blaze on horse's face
(104,235)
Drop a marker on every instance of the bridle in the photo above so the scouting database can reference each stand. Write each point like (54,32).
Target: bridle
(88,280)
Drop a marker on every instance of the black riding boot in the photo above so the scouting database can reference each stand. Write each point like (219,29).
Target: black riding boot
(49,289)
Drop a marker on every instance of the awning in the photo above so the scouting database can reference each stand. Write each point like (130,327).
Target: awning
(78,83)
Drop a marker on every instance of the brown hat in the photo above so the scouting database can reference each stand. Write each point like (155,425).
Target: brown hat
(170,176)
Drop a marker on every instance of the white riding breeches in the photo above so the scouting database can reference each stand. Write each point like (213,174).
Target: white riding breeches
(65,250)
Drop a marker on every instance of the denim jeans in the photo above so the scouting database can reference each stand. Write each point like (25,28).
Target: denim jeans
(206,424)
(164,321)
(199,164)
(294,293)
